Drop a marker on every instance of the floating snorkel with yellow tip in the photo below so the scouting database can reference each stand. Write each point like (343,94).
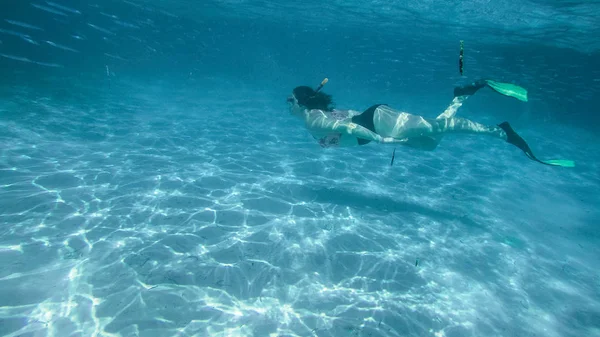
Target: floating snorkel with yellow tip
(461,57)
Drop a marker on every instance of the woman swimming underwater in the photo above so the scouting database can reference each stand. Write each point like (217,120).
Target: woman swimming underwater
(383,124)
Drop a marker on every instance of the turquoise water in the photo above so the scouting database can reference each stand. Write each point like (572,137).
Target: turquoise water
(153,183)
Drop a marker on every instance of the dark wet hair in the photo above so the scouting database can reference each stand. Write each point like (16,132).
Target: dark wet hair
(311,99)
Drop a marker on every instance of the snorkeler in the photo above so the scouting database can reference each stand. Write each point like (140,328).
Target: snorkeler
(382,124)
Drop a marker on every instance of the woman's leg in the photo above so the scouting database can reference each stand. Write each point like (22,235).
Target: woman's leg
(430,143)
(463,125)
(401,125)
(461,94)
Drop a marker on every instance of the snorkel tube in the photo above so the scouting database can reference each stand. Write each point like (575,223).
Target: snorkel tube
(322,84)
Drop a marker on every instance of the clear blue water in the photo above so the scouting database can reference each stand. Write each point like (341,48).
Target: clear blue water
(153,183)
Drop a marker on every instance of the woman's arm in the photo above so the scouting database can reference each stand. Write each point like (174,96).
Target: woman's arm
(322,122)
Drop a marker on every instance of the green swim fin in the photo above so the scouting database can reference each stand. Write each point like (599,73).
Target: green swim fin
(559,162)
(508,89)
(513,138)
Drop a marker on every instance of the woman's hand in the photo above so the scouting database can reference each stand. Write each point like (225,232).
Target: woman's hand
(390,140)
